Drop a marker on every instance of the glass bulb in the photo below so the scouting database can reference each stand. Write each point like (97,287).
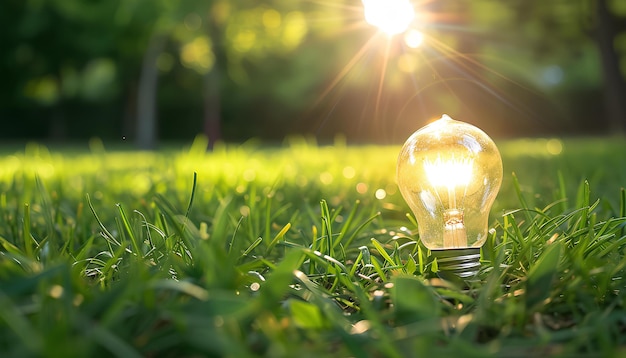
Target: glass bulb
(449,173)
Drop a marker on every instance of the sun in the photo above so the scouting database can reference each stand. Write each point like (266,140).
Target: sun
(390,16)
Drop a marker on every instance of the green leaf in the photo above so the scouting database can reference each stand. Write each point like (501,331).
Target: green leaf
(185,287)
(277,238)
(277,285)
(381,250)
(306,315)
(541,276)
(17,323)
(410,266)
(28,239)
(412,300)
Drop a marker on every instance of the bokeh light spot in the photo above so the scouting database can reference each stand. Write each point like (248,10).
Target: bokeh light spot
(44,89)
(348,172)
(391,189)
(326,178)
(361,188)
(56,291)
(413,38)
(244,41)
(271,19)
(554,146)
(295,29)
(198,55)
(249,175)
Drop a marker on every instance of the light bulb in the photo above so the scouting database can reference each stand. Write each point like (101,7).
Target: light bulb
(449,173)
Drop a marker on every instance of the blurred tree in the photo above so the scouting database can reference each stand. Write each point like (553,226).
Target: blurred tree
(265,68)
(153,21)
(59,54)
(56,53)
(565,32)
(609,26)
(215,38)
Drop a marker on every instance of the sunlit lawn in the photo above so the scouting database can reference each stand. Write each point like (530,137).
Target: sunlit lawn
(301,250)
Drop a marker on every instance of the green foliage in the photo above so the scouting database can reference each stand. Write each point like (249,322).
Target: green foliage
(74,68)
(301,250)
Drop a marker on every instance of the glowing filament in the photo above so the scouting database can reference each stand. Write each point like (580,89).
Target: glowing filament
(452,174)
(449,173)
(390,16)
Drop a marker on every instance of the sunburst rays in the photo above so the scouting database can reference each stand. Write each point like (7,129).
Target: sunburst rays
(386,92)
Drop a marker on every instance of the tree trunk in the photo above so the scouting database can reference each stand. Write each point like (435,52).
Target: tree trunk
(212,86)
(58,123)
(212,108)
(146,96)
(614,83)
(129,119)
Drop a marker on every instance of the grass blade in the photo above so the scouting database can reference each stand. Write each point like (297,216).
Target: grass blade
(381,250)
(26,237)
(541,275)
(130,232)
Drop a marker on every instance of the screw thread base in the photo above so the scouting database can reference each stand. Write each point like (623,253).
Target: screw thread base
(457,264)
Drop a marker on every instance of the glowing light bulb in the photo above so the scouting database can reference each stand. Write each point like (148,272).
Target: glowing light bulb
(390,16)
(449,173)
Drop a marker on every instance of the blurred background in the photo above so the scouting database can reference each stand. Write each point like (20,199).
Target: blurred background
(148,71)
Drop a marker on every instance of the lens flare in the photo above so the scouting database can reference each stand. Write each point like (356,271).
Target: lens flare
(413,38)
(390,16)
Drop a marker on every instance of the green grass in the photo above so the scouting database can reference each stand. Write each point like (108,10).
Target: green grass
(302,250)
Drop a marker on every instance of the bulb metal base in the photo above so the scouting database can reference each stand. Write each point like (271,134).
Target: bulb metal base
(457,264)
